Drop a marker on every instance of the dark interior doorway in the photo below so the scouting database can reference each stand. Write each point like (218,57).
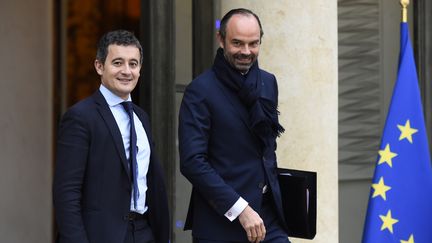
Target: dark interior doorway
(83,22)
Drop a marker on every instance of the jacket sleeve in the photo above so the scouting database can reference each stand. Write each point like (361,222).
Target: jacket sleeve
(71,160)
(194,133)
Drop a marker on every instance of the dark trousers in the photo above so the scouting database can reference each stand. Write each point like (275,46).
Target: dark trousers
(139,231)
(274,232)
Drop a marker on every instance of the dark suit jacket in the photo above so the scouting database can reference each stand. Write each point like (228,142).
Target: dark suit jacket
(222,158)
(92,185)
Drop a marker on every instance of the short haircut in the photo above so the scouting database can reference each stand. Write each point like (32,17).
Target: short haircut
(117,37)
(241,11)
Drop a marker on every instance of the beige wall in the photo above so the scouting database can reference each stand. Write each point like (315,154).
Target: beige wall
(300,48)
(26,121)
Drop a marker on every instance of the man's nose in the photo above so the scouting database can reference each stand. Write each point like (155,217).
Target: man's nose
(126,69)
(246,50)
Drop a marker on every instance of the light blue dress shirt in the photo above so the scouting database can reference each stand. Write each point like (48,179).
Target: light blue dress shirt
(143,155)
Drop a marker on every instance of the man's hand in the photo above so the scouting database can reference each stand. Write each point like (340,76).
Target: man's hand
(253,225)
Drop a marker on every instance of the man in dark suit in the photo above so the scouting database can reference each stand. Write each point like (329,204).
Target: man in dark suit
(228,125)
(108,185)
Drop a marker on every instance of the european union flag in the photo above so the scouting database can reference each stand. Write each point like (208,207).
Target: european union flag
(400,203)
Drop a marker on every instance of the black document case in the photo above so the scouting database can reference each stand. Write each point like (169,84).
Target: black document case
(299,201)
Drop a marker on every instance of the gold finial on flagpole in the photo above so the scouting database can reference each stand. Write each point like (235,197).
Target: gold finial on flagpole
(404,4)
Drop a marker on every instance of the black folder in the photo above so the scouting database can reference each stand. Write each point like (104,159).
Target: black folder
(299,194)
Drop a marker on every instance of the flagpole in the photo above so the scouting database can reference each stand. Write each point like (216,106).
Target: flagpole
(404,4)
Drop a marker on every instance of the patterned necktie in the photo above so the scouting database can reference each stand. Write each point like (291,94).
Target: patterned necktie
(133,151)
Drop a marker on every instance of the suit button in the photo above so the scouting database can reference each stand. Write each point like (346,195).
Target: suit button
(261,185)
(264,158)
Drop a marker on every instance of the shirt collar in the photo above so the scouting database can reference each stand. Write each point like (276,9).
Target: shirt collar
(110,97)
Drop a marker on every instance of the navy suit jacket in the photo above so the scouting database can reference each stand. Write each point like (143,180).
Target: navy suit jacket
(92,185)
(222,158)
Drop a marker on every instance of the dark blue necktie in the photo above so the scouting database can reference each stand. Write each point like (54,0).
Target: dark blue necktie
(133,151)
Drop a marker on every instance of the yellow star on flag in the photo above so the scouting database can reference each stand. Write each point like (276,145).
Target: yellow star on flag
(380,189)
(386,155)
(410,240)
(406,131)
(388,222)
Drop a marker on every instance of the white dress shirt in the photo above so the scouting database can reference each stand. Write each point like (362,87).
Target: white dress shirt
(236,209)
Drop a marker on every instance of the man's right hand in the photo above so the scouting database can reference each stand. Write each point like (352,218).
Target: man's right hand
(253,225)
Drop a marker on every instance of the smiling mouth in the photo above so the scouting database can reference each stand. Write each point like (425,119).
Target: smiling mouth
(244,61)
(123,80)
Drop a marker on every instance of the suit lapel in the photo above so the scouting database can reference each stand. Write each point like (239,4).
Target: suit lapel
(110,122)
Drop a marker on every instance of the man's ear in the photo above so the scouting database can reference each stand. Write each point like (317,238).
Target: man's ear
(98,66)
(220,40)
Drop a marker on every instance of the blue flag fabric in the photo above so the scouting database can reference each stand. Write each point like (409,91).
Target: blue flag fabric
(400,203)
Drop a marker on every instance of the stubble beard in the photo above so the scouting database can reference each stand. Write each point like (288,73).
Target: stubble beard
(241,67)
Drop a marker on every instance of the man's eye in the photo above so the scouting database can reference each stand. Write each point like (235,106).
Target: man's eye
(134,64)
(117,64)
(236,43)
(255,44)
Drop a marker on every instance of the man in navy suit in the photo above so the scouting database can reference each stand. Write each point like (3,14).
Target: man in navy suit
(108,185)
(228,125)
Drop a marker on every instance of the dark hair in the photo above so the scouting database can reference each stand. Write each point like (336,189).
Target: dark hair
(242,11)
(117,37)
